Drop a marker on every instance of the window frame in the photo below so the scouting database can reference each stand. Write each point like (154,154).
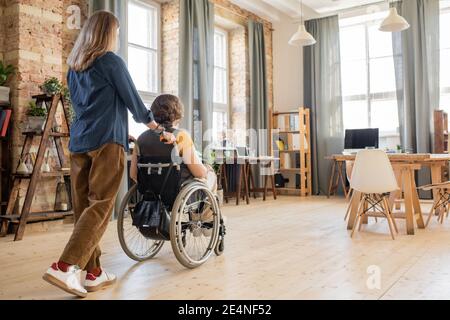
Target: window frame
(147,96)
(370,97)
(221,107)
(443,91)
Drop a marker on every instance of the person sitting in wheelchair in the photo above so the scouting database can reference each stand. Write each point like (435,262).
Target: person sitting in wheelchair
(168,111)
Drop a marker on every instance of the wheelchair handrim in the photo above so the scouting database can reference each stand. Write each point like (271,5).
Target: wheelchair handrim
(176,232)
(152,251)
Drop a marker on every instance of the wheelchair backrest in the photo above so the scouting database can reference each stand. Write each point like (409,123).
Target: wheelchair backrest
(159,177)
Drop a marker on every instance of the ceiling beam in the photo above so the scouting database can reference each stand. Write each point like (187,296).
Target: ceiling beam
(259,8)
(292,8)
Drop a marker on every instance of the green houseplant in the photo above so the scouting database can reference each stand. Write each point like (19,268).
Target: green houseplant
(36,117)
(5,72)
(52,86)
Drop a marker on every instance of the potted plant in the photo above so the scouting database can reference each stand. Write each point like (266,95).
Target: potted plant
(36,117)
(5,73)
(51,86)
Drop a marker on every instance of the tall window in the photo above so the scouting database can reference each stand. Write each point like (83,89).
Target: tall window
(143,52)
(220,113)
(445,56)
(368,78)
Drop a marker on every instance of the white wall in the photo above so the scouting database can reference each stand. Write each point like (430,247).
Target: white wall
(287,68)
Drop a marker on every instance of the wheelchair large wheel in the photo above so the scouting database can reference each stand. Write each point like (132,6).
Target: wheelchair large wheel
(194,225)
(133,243)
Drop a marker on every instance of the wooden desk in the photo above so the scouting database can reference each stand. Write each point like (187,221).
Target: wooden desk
(404,166)
(262,161)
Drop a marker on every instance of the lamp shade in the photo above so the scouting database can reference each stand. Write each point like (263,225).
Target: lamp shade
(302,38)
(394,22)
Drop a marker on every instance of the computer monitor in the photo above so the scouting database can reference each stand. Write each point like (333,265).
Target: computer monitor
(361,138)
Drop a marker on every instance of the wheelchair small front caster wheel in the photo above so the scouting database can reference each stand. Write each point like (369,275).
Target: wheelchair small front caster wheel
(220,248)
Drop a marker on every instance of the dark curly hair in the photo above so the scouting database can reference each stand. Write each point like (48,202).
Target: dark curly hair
(167,109)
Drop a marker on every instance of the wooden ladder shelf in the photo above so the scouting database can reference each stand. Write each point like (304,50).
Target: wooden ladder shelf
(47,135)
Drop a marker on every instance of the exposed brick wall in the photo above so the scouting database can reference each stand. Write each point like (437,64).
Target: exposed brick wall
(170,13)
(2,28)
(37,41)
(238,39)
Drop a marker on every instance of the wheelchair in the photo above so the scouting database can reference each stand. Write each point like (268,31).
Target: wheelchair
(196,225)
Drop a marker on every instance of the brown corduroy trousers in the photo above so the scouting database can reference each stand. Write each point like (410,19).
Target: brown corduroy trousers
(95,178)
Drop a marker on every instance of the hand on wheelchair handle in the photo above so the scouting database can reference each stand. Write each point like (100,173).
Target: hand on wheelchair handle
(167,137)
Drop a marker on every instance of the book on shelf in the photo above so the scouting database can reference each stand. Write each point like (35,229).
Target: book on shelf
(293,122)
(5,117)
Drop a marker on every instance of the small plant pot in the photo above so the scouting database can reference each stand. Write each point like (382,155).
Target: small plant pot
(36,123)
(4,94)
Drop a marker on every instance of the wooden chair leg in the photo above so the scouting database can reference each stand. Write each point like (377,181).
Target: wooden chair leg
(349,207)
(431,214)
(358,216)
(390,222)
(391,219)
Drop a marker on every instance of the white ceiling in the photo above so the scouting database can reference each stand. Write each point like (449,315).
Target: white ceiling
(275,10)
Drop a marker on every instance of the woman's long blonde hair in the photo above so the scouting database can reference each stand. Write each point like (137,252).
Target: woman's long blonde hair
(98,36)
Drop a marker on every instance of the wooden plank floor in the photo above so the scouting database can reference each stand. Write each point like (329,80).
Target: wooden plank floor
(290,248)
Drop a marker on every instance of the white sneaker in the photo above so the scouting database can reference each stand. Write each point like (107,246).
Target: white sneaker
(93,283)
(69,281)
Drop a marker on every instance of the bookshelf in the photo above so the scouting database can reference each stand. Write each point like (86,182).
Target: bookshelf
(441,137)
(5,157)
(290,142)
(440,132)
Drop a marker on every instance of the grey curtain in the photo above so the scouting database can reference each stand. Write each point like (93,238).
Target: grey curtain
(259,103)
(416,60)
(196,67)
(322,93)
(119,9)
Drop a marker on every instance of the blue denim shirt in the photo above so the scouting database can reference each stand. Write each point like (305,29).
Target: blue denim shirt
(100,97)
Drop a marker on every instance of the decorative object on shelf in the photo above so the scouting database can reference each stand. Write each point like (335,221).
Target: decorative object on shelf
(46,166)
(17,203)
(280,181)
(302,37)
(36,117)
(280,144)
(62,196)
(394,22)
(5,72)
(22,168)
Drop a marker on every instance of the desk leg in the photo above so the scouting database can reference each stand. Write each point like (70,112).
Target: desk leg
(407,189)
(238,184)
(244,169)
(341,177)
(252,180)
(436,177)
(416,204)
(354,205)
(330,184)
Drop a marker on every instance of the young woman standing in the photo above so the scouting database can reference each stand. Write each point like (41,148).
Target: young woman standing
(102,92)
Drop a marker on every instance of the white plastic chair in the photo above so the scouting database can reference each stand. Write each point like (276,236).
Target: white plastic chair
(374,178)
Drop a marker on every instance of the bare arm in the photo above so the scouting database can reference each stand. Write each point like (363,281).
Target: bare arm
(190,157)
(134,162)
